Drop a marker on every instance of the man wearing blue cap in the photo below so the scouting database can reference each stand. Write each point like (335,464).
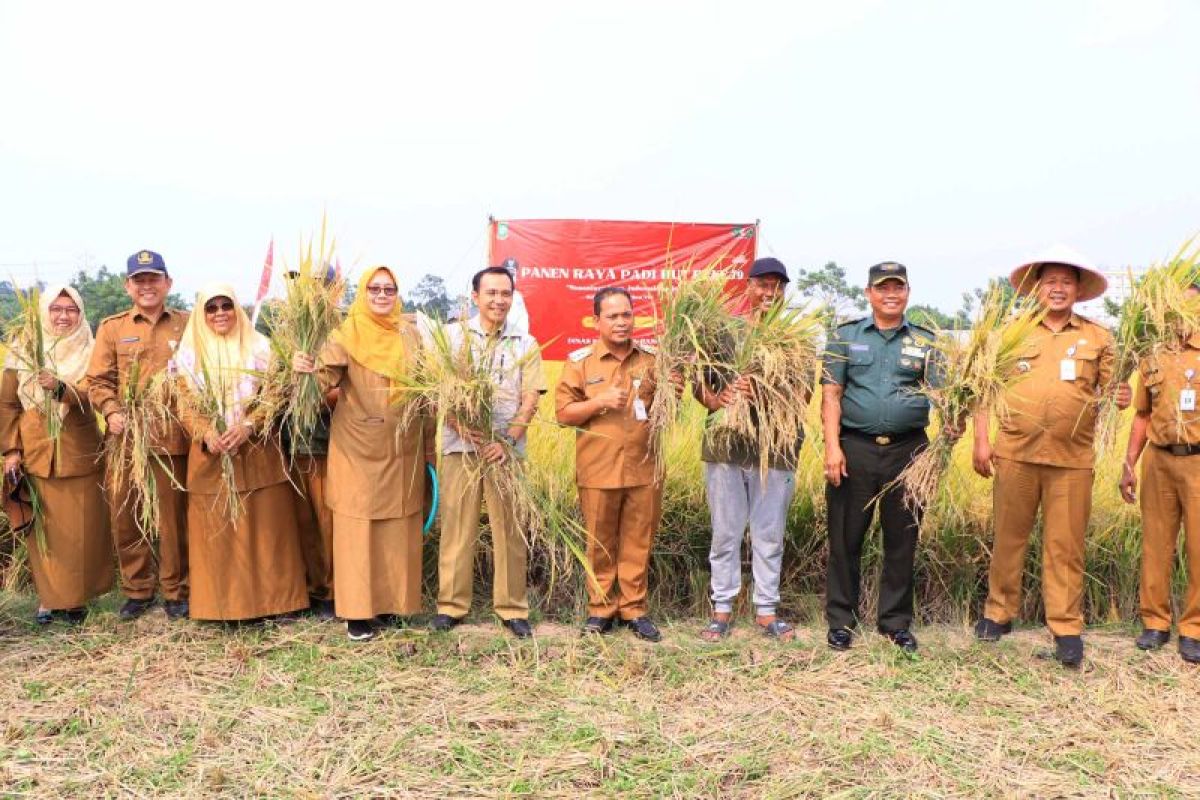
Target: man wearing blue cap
(739,494)
(145,337)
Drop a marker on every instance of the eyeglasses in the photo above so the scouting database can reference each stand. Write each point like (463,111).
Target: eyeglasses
(386,291)
(212,308)
(69,311)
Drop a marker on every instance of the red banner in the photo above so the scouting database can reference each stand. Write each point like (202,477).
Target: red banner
(564,262)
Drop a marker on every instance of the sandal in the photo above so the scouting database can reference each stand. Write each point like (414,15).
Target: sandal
(776,629)
(716,630)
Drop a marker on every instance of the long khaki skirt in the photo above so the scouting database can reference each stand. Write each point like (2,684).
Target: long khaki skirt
(376,566)
(77,563)
(252,570)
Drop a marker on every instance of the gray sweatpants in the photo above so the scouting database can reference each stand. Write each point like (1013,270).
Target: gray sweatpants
(737,497)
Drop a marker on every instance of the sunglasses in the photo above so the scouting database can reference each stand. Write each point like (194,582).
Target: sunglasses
(386,291)
(212,308)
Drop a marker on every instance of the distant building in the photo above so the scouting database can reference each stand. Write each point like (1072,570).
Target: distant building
(1120,285)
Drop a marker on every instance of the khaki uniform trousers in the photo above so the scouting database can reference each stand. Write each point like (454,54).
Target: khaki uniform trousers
(315,522)
(620,529)
(141,569)
(1065,498)
(1170,494)
(463,485)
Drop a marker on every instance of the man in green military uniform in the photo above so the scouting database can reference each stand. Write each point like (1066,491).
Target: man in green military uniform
(874,418)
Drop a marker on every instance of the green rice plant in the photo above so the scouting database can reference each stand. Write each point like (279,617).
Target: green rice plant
(777,352)
(130,456)
(301,322)
(965,375)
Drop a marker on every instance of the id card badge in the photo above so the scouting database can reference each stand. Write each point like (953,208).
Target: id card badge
(1066,369)
(639,405)
(1187,400)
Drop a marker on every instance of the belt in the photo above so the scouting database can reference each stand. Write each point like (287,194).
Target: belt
(1180,449)
(884,439)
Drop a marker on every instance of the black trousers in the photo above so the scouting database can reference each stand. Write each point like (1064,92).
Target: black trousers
(851,507)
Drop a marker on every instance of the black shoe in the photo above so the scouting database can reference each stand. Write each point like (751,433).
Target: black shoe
(44,616)
(73,616)
(1189,649)
(903,639)
(134,608)
(176,609)
(598,625)
(520,628)
(839,638)
(444,622)
(643,628)
(321,609)
(360,630)
(1152,639)
(987,630)
(1068,650)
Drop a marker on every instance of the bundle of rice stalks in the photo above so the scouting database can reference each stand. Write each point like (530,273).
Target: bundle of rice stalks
(203,397)
(1157,314)
(694,334)
(130,457)
(777,352)
(449,381)
(965,375)
(301,322)
(28,349)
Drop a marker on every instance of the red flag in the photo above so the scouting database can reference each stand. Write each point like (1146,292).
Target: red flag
(264,283)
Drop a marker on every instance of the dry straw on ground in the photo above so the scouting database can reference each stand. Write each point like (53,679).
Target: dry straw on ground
(153,709)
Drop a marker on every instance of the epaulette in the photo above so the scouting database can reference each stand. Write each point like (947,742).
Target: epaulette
(931,334)
(117,315)
(1098,324)
(580,354)
(850,322)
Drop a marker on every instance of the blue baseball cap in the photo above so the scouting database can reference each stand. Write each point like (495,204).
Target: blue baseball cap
(145,261)
(768,266)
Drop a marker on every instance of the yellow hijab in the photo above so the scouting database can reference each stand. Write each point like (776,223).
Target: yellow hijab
(67,355)
(370,339)
(229,365)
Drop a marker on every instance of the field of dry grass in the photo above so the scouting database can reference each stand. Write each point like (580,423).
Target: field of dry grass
(186,709)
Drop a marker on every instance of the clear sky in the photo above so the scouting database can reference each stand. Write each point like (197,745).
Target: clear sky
(957,137)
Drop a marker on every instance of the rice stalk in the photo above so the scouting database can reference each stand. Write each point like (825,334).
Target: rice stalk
(445,381)
(694,334)
(203,396)
(130,456)
(300,322)
(27,345)
(777,352)
(965,375)
(1158,314)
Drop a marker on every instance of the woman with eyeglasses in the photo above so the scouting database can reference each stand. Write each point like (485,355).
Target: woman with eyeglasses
(246,563)
(376,460)
(73,561)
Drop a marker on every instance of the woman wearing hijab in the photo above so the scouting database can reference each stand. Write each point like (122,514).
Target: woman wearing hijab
(250,566)
(74,563)
(376,462)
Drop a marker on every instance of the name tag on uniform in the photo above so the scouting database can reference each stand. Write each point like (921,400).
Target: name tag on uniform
(595,380)
(913,352)
(1187,400)
(130,339)
(1066,369)
(860,347)
(639,405)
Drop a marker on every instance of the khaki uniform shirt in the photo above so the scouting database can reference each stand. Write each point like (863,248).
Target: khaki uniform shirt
(1161,379)
(612,449)
(376,467)
(127,338)
(77,451)
(1052,421)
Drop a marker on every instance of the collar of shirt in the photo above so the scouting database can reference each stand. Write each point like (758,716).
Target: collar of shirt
(1074,321)
(600,350)
(506,332)
(886,332)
